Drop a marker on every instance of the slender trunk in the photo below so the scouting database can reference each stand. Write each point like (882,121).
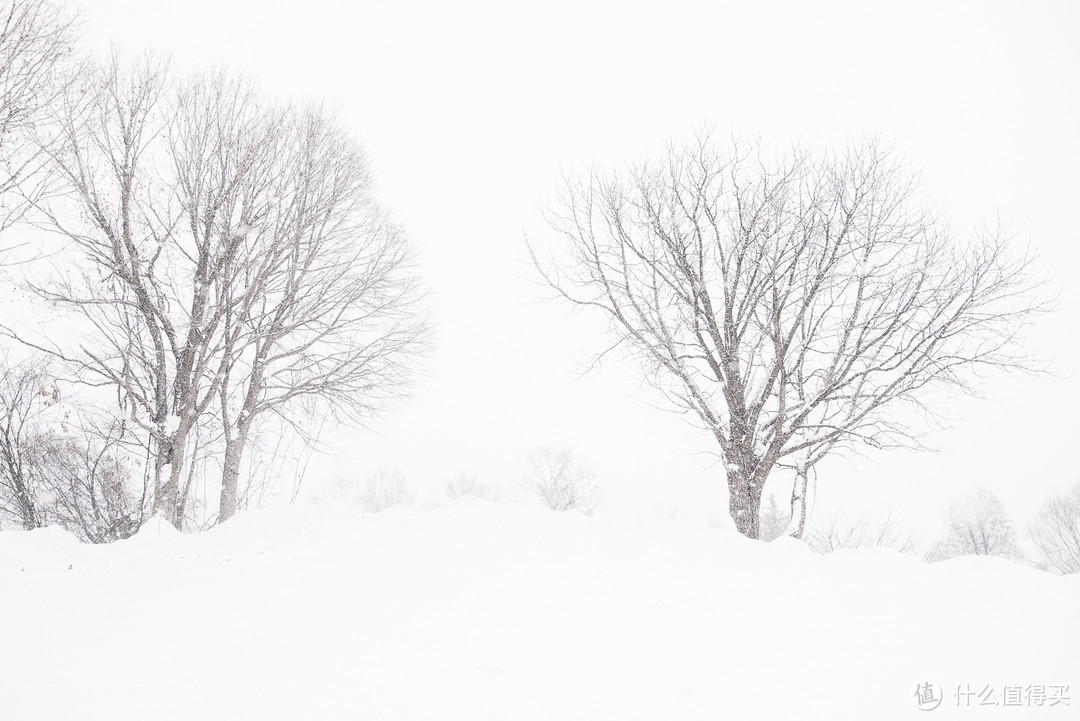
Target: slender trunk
(30,519)
(181,506)
(25,500)
(230,474)
(234,445)
(797,526)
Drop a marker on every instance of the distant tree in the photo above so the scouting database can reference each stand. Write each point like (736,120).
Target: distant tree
(838,533)
(774,520)
(978,526)
(1056,531)
(561,481)
(792,306)
(146,264)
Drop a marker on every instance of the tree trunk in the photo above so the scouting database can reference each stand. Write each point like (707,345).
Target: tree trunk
(167,493)
(21,491)
(164,497)
(744,502)
(230,474)
(798,505)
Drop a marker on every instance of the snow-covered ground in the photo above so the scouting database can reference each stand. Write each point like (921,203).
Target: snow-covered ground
(482,611)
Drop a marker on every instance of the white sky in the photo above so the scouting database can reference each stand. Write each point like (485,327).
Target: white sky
(472,110)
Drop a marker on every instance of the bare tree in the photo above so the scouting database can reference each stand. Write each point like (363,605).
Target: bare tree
(1056,531)
(327,314)
(149,252)
(36,40)
(978,526)
(794,306)
(561,481)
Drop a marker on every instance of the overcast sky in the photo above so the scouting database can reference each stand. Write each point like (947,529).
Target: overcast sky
(472,111)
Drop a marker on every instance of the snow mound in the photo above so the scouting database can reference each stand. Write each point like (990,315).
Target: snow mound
(483,611)
(155,530)
(43,549)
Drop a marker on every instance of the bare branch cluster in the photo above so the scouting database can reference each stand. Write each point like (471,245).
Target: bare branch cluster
(36,42)
(864,532)
(57,467)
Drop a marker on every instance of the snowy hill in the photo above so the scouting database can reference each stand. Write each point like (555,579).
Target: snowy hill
(481,611)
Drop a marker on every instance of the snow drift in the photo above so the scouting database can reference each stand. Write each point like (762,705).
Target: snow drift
(481,611)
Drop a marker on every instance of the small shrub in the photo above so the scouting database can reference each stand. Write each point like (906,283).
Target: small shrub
(561,481)
(466,484)
(838,533)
